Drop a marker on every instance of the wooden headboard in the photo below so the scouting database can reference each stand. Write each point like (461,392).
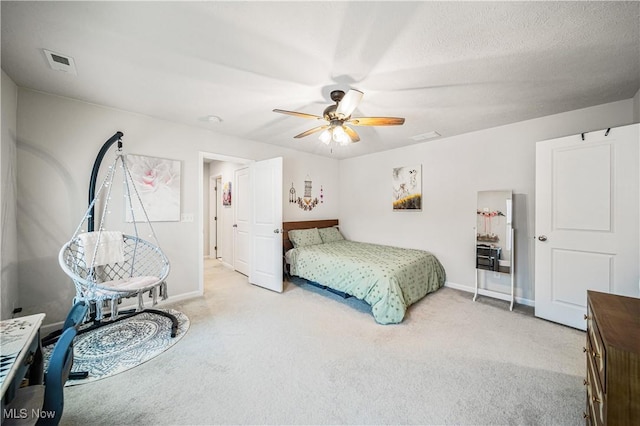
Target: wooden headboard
(305,224)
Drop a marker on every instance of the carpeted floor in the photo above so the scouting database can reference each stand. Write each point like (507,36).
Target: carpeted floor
(253,356)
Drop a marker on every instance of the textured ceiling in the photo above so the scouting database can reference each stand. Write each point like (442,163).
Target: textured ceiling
(452,67)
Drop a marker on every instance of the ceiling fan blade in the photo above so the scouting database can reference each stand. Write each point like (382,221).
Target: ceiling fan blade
(349,103)
(352,134)
(310,131)
(298,114)
(376,121)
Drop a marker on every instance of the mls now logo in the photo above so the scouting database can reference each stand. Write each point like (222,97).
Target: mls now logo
(24,413)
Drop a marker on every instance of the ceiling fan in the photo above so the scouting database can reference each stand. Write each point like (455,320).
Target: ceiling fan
(338,116)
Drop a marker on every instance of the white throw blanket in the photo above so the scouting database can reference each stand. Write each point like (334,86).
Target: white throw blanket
(107,246)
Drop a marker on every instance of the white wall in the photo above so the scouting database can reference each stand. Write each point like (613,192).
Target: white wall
(454,169)
(325,187)
(8,236)
(58,140)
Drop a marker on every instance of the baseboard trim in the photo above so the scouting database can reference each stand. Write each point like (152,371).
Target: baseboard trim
(50,328)
(181,297)
(489,293)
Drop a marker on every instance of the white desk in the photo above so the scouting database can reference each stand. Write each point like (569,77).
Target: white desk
(20,350)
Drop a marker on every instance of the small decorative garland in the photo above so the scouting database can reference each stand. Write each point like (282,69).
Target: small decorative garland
(307,204)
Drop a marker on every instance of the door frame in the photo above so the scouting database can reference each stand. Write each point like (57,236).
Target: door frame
(236,229)
(201,203)
(213,219)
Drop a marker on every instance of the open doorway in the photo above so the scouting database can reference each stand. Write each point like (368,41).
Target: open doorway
(261,190)
(217,210)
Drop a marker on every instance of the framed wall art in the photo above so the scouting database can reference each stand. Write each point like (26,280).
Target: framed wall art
(226,194)
(157,181)
(407,188)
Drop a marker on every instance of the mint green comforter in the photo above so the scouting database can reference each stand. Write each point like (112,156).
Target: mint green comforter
(389,279)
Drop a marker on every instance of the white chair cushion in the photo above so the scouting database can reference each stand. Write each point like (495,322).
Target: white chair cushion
(130,284)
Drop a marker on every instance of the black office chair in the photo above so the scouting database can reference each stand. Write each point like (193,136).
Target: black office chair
(43,404)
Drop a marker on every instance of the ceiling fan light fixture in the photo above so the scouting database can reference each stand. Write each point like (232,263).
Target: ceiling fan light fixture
(340,136)
(325,136)
(337,117)
(336,134)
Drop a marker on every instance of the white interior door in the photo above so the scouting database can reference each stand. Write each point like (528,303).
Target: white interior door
(586,221)
(266,223)
(218,218)
(241,226)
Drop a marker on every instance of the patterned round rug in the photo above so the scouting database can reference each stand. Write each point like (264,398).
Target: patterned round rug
(125,344)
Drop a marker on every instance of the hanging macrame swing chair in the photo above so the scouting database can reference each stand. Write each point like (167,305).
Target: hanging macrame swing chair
(109,266)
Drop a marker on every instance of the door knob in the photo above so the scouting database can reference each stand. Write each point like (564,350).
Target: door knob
(276,231)
(542,238)
(235,225)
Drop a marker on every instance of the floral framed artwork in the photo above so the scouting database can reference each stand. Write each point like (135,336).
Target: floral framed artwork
(407,188)
(226,194)
(157,181)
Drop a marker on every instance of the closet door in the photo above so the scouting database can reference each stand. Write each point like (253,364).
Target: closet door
(586,221)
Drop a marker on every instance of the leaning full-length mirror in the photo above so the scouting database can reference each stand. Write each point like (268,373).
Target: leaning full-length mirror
(494,231)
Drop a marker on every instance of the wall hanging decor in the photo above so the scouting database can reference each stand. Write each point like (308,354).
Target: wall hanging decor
(157,181)
(226,194)
(308,201)
(292,194)
(407,188)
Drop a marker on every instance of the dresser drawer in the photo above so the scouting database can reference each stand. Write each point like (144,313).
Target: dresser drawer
(595,394)
(596,350)
(613,360)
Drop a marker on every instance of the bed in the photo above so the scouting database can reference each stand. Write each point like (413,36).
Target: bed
(389,279)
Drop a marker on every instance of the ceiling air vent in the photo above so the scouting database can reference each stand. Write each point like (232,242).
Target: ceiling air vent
(60,62)
(425,136)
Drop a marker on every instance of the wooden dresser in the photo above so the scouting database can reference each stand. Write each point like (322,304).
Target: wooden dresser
(613,359)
